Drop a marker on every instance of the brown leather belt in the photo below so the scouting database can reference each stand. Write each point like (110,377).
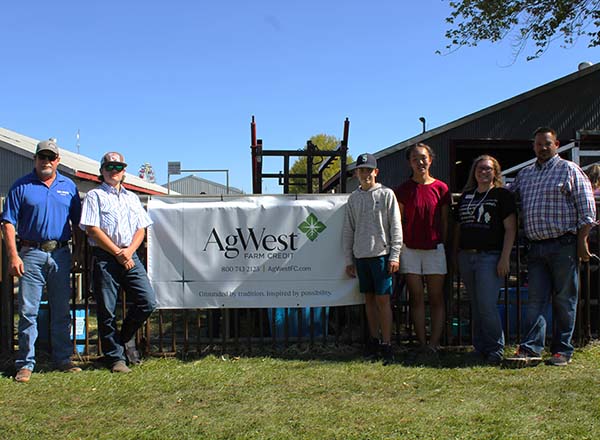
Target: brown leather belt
(46,246)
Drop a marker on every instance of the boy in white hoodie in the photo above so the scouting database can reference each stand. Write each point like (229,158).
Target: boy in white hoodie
(372,239)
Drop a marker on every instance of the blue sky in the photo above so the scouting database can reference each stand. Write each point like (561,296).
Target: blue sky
(179,80)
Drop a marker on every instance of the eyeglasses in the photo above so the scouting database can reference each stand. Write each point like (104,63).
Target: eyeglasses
(112,167)
(485,169)
(51,157)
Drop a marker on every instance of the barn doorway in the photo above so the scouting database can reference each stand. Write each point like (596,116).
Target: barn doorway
(508,154)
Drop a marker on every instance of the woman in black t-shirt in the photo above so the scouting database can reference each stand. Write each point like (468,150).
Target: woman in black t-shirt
(486,229)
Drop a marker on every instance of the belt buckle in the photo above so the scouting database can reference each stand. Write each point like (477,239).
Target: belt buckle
(49,246)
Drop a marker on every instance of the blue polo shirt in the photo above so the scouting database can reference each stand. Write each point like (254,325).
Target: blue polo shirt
(40,213)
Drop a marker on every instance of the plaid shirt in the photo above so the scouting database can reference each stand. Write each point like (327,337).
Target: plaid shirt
(556,198)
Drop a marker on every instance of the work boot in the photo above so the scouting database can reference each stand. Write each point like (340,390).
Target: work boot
(131,352)
(120,367)
(23,375)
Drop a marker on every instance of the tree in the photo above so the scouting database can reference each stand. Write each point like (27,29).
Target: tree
(540,21)
(323,142)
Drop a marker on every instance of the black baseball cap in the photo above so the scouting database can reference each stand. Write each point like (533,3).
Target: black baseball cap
(366,160)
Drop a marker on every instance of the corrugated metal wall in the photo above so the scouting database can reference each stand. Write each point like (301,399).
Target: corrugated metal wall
(12,166)
(566,108)
(195,186)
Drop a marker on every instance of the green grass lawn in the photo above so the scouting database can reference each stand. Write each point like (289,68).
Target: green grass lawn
(267,397)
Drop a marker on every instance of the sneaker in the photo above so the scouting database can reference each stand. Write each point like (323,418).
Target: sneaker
(372,349)
(23,375)
(558,360)
(524,357)
(493,359)
(426,354)
(387,354)
(69,367)
(120,367)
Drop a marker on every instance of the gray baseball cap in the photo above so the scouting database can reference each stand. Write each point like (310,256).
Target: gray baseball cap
(49,145)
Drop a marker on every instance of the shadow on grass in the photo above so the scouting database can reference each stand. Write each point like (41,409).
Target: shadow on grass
(44,363)
(405,355)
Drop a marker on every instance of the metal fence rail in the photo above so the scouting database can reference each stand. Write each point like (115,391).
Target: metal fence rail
(197,331)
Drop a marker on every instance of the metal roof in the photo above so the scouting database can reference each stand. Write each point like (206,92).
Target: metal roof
(196,185)
(486,111)
(73,164)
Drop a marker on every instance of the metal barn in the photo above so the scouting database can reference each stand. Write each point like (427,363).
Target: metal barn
(16,160)
(194,185)
(570,105)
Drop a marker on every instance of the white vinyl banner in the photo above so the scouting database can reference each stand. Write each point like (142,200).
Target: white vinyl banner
(249,251)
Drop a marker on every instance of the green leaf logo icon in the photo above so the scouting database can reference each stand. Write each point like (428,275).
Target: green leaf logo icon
(312,227)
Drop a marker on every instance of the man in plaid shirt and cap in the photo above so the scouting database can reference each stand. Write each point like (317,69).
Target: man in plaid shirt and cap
(115,222)
(558,210)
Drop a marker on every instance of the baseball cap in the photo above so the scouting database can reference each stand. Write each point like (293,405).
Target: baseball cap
(366,160)
(112,157)
(49,145)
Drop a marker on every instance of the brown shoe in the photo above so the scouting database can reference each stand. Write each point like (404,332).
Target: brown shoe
(69,367)
(23,375)
(120,367)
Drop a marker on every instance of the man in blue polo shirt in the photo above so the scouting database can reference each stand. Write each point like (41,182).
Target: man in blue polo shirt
(40,209)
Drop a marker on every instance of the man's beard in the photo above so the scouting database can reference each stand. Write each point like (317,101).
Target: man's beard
(46,172)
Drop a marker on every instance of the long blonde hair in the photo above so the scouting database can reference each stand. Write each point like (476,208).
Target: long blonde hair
(593,173)
(472,182)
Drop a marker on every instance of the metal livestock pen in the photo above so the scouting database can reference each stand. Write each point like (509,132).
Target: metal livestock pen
(198,331)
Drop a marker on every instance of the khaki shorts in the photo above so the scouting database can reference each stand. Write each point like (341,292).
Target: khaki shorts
(423,261)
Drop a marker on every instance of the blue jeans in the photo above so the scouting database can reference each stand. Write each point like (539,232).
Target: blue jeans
(109,275)
(553,274)
(50,269)
(479,273)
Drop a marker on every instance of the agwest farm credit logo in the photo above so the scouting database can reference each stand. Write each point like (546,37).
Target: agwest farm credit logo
(260,243)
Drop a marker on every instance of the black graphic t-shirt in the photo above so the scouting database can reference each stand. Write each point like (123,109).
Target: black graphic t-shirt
(481,217)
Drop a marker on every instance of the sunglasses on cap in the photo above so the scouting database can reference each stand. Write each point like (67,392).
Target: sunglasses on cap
(47,156)
(114,167)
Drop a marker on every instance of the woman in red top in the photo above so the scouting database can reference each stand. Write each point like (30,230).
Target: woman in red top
(424,204)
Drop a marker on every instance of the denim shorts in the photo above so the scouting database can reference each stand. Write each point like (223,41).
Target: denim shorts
(373,275)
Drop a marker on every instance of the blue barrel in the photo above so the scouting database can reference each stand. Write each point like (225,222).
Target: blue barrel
(293,321)
(43,324)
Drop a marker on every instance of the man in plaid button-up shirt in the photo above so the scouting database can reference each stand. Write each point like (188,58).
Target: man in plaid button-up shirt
(115,222)
(558,211)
